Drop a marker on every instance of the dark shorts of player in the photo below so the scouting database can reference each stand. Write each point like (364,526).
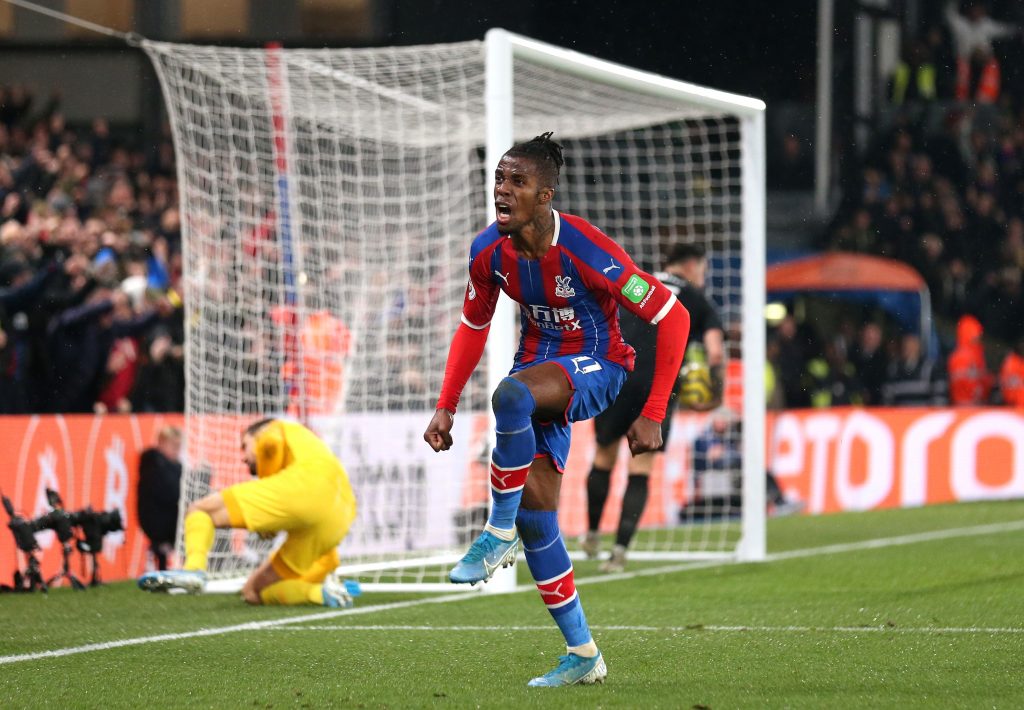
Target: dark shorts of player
(613,423)
(595,383)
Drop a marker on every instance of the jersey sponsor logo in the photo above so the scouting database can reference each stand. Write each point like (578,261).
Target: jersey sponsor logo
(554,318)
(503,277)
(562,287)
(472,290)
(585,365)
(635,289)
(611,267)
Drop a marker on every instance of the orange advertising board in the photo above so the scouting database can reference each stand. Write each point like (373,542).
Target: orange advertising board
(861,459)
(89,460)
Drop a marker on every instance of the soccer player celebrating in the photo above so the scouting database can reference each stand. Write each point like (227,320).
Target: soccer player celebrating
(568,279)
(301,488)
(685,271)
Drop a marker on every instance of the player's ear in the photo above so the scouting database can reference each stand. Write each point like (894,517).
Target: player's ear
(270,450)
(545,195)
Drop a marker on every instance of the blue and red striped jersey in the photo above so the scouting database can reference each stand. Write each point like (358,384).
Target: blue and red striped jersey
(568,299)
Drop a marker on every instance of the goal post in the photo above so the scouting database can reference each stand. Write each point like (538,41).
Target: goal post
(328,201)
(502,48)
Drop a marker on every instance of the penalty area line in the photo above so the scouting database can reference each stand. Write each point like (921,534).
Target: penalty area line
(872,544)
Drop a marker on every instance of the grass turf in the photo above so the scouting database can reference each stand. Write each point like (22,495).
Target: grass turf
(929,624)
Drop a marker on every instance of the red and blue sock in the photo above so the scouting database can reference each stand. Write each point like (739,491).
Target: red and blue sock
(513,451)
(552,571)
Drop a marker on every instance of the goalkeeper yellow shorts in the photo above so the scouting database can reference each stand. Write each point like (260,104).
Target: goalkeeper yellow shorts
(313,504)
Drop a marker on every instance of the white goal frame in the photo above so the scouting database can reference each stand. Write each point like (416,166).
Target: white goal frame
(502,47)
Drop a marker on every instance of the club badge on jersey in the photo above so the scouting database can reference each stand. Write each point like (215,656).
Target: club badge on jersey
(562,287)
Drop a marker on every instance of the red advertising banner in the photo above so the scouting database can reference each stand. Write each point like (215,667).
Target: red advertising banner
(88,460)
(861,459)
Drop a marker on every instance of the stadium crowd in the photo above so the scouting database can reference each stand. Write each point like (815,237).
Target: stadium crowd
(90,261)
(91,315)
(940,187)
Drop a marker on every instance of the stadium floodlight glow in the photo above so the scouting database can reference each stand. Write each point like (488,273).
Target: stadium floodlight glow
(329,198)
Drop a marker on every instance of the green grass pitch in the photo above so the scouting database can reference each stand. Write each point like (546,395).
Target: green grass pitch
(933,620)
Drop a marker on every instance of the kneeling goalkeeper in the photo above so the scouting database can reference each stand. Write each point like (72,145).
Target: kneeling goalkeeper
(301,488)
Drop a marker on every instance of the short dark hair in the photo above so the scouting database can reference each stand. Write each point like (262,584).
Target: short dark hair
(546,155)
(256,426)
(684,251)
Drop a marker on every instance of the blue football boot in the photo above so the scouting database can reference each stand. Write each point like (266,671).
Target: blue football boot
(573,670)
(486,554)
(188,580)
(338,594)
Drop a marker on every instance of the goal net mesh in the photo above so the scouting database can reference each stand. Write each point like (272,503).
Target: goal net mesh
(329,198)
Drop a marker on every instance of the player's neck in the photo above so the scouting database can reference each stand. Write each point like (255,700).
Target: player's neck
(534,239)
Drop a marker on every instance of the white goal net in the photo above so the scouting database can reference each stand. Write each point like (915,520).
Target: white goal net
(329,199)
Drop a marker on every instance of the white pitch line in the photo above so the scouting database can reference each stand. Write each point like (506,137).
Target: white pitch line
(872,544)
(694,628)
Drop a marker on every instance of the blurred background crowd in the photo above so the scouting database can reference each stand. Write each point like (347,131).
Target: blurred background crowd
(91,316)
(90,261)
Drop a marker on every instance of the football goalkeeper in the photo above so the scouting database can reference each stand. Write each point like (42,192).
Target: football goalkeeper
(301,488)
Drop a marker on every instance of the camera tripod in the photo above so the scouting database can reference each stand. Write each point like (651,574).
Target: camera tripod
(65,570)
(31,579)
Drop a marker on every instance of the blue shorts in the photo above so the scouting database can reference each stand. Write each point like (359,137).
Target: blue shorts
(595,383)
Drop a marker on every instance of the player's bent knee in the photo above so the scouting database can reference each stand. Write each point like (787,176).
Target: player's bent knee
(512,398)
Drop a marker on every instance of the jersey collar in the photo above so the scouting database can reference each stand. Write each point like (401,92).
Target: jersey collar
(558,227)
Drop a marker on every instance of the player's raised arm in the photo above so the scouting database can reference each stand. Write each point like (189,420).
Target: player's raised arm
(465,352)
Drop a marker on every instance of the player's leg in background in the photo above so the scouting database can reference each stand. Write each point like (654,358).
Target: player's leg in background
(274,583)
(634,500)
(299,572)
(201,519)
(598,482)
(552,571)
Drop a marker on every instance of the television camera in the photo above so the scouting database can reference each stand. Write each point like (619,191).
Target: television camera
(83,530)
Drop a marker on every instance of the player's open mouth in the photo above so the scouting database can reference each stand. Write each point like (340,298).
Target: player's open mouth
(503,212)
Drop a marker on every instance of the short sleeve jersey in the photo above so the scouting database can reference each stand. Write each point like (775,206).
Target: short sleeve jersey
(569,298)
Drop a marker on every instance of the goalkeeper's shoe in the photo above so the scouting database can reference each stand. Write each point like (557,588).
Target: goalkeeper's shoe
(338,593)
(486,554)
(188,580)
(573,670)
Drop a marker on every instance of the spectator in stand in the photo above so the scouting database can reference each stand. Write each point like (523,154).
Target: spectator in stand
(794,167)
(977,69)
(970,382)
(871,363)
(913,380)
(792,354)
(831,380)
(914,78)
(1011,376)
(160,382)
(158,493)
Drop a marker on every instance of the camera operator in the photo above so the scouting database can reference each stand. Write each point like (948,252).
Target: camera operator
(158,492)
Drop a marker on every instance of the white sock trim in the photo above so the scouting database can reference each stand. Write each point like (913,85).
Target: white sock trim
(502,534)
(587,650)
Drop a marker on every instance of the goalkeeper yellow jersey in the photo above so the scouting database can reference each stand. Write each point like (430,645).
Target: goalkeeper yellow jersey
(282,444)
